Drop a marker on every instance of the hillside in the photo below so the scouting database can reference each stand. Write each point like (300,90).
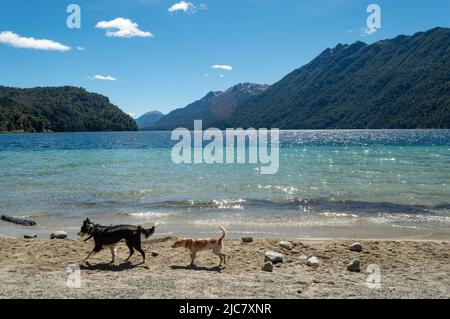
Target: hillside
(59,109)
(148,119)
(212,107)
(396,84)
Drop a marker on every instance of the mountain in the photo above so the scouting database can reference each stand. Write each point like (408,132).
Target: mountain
(394,84)
(148,119)
(59,109)
(212,107)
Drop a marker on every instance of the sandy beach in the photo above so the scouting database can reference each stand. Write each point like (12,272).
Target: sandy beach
(37,268)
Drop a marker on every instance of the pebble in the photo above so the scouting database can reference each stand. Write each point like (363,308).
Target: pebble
(354,265)
(273,257)
(286,245)
(356,247)
(58,235)
(155,253)
(313,262)
(268,266)
(30,236)
(247,239)
(303,259)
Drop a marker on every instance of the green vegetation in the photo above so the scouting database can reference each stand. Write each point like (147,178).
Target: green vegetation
(403,83)
(59,109)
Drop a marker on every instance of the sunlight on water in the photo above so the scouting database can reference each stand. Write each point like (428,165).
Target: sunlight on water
(326,178)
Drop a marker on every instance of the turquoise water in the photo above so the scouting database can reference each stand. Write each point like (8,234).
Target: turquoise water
(330,183)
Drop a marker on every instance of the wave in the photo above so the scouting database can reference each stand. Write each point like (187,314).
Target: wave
(326,206)
(149,214)
(219,203)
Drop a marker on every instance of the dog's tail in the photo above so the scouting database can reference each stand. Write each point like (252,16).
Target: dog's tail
(224,232)
(146,232)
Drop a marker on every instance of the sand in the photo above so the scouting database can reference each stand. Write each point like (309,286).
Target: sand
(37,268)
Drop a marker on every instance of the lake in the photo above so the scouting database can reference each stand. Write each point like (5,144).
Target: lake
(362,184)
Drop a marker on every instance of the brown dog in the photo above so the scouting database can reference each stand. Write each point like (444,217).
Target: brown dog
(197,245)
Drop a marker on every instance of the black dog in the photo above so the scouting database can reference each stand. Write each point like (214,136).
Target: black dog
(109,237)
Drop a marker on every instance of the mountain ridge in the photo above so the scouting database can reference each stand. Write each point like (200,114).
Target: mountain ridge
(399,83)
(213,106)
(148,119)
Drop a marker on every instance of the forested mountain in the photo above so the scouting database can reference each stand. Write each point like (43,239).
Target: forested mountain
(399,83)
(59,109)
(212,107)
(148,119)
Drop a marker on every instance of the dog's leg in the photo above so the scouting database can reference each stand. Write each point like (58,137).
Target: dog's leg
(89,256)
(222,256)
(96,249)
(193,255)
(137,245)
(142,253)
(130,247)
(113,253)
(217,253)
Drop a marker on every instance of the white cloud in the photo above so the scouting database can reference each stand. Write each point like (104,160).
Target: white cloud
(221,75)
(132,114)
(225,67)
(187,7)
(12,39)
(123,28)
(367,31)
(102,77)
(81,48)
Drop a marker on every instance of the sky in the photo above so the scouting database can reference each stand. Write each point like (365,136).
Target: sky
(160,55)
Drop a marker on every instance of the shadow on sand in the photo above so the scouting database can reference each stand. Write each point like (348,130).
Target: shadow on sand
(196,268)
(113,267)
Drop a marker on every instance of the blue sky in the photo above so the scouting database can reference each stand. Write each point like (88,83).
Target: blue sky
(167,60)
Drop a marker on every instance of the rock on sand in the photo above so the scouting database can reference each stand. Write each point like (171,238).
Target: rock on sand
(356,247)
(313,262)
(268,266)
(286,245)
(354,265)
(303,259)
(58,235)
(273,257)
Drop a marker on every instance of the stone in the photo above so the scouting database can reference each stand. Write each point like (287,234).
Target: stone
(155,253)
(247,239)
(303,259)
(58,235)
(273,257)
(313,262)
(354,266)
(268,266)
(286,245)
(356,247)
(30,236)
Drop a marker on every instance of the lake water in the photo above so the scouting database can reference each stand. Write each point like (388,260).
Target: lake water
(362,184)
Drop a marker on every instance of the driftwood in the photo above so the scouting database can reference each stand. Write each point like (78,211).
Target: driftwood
(18,221)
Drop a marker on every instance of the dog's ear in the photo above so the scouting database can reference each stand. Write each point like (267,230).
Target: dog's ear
(87,220)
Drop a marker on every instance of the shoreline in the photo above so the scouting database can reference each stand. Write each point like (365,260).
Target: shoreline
(37,268)
(356,230)
(157,236)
